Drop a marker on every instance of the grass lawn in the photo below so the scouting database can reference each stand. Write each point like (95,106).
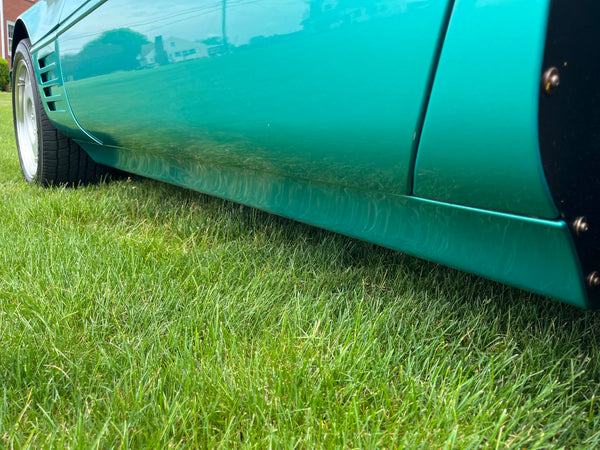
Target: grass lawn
(138,314)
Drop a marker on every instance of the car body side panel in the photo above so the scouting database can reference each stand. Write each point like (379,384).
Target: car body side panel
(46,15)
(331,91)
(43,22)
(504,247)
(71,6)
(42,18)
(479,145)
(52,92)
(332,146)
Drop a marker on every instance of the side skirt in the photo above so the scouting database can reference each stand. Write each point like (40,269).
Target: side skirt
(533,254)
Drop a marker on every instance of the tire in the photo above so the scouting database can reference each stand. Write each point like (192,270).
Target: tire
(47,156)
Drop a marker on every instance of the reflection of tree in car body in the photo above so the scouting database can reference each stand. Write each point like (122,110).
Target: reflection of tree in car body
(113,51)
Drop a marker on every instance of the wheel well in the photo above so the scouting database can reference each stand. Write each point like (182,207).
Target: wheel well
(19,34)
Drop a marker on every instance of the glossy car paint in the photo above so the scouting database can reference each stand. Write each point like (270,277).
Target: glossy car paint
(507,248)
(280,86)
(480,137)
(319,123)
(47,15)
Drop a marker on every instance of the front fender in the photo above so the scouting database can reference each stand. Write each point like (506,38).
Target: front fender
(43,18)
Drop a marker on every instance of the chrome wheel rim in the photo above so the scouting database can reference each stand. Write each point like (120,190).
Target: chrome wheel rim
(26,120)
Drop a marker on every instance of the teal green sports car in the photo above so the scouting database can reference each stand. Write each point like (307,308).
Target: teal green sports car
(466,132)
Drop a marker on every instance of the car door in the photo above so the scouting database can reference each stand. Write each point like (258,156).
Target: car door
(326,90)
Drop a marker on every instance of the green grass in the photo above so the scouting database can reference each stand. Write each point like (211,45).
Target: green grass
(139,314)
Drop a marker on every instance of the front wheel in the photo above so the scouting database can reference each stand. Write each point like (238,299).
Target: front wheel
(47,156)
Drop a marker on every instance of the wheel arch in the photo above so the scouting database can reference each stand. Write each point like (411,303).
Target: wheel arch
(20,33)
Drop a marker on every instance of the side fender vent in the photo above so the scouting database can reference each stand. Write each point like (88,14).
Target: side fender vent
(50,84)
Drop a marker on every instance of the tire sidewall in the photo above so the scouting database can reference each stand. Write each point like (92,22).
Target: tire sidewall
(23,53)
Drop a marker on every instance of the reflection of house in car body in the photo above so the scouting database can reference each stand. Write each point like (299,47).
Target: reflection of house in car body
(323,14)
(176,50)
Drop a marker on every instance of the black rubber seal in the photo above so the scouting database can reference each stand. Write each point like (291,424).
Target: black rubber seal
(569,125)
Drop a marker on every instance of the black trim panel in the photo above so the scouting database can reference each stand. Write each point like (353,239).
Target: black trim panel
(569,126)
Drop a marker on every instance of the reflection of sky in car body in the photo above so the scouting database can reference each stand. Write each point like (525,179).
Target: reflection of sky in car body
(245,20)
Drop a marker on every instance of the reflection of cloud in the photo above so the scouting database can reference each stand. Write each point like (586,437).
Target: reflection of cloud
(264,19)
(187,20)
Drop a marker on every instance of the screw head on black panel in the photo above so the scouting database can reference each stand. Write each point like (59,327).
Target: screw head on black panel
(593,279)
(580,225)
(550,80)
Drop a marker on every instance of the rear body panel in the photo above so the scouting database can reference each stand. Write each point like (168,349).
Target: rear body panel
(480,133)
